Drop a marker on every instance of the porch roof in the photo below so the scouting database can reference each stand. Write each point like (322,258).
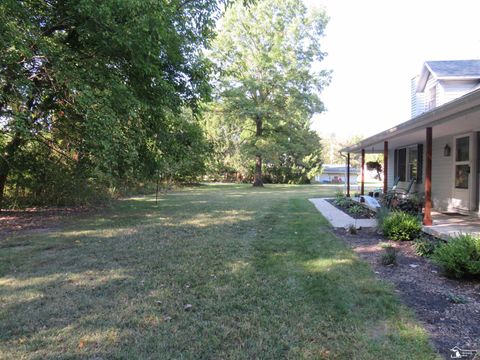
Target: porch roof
(413,131)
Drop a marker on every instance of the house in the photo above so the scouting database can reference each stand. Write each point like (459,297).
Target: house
(336,174)
(439,148)
(442,81)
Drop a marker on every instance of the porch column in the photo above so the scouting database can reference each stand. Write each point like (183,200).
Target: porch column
(427,217)
(348,174)
(385,167)
(362,186)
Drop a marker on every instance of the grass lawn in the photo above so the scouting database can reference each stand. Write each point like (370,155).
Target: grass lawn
(213,272)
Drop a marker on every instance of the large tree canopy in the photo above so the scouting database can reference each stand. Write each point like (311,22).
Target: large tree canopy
(91,92)
(267,85)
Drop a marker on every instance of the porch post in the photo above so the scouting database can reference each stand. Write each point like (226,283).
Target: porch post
(362,186)
(385,167)
(348,174)
(427,217)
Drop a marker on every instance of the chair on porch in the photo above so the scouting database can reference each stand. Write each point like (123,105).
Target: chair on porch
(397,192)
(379,191)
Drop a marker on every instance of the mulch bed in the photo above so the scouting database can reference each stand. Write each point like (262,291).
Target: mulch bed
(368,214)
(422,287)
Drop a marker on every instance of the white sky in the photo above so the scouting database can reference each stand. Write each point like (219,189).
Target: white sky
(375,47)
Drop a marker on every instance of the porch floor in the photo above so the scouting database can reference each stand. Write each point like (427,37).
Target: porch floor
(447,225)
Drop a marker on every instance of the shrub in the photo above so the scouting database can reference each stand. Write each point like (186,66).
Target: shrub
(343,201)
(424,246)
(352,229)
(400,226)
(460,256)
(381,215)
(390,255)
(357,210)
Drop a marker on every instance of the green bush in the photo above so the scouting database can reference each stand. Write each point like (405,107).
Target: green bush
(381,215)
(400,226)
(460,256)
(424,246)
(343,201)
(389,257)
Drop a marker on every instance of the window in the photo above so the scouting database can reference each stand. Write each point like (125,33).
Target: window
(461,176)
(412,163)
(408,163)
(463,145)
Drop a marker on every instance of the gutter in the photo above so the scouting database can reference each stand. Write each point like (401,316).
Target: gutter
(443,113)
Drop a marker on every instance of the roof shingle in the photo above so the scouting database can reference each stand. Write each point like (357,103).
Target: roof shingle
(455,68)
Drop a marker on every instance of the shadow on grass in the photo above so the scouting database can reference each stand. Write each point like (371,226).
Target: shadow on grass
(261,273)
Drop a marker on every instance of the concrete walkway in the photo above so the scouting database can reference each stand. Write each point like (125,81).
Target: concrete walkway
(337,218)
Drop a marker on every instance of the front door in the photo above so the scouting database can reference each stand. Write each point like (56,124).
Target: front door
(464,189)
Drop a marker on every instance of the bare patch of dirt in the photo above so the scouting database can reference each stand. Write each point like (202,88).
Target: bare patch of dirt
(448,308)
(36,219)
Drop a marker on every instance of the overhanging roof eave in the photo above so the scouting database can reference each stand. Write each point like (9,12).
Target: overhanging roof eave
(470,100)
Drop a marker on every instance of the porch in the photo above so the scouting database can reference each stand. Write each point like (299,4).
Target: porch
(439,153)
(446,225)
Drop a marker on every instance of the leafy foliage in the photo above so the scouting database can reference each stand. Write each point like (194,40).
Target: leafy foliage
(93,93)
(460,256)
(401,226)
(424,246)
(389,257)
(267,91)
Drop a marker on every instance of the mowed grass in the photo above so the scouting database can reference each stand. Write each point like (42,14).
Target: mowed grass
(213,272)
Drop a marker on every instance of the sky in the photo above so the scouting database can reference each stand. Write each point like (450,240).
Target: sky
(376,47)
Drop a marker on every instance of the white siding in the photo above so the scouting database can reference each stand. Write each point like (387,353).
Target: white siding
(432,82)
(454,89)
(442,173)
(417,99)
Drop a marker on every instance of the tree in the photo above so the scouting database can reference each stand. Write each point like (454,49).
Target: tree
(266,84)
(87,86)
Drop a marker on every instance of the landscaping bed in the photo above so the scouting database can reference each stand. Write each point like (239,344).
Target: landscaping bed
(352,208)
(449,309)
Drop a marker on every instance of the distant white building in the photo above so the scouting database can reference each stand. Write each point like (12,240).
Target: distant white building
(336,174)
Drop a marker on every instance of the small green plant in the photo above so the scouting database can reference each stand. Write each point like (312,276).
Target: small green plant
(343,201)
(400,226)
(381,215)
(457,299)
(424,246)
(389,257)
(352,229)
(460,256)
(356,210)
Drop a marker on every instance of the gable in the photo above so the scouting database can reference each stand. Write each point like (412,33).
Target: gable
(448,70)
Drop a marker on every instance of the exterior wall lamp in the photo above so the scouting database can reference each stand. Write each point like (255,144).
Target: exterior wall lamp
(446,150)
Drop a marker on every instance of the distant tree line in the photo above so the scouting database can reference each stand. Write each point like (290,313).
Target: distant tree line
(97,98)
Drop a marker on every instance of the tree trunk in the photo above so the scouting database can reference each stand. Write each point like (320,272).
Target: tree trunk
(5,159)
(258,171)
(258,181)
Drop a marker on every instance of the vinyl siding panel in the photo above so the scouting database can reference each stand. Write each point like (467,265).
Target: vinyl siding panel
(442,173)
(453,89)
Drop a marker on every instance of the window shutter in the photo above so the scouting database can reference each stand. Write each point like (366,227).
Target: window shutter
(395,165)
(420,163)
(402,164)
